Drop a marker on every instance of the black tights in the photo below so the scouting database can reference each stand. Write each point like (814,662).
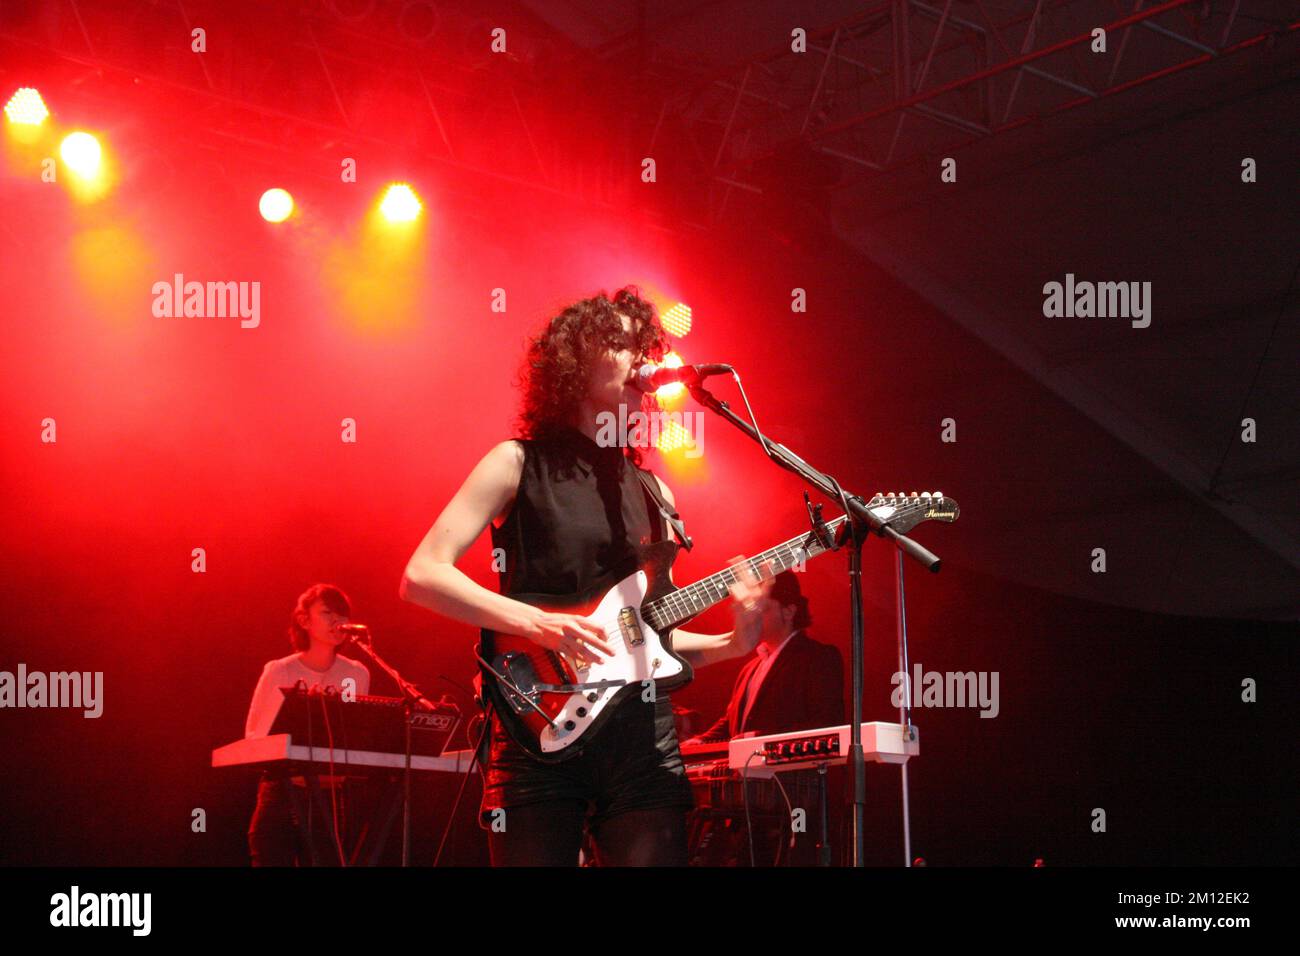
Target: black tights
(550,834)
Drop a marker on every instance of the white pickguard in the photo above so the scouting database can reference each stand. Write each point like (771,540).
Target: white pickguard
(632,663)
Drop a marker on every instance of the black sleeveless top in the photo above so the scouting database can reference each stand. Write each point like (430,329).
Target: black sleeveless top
(580,511)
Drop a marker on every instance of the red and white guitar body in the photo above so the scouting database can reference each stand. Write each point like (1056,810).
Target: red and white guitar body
(550,723)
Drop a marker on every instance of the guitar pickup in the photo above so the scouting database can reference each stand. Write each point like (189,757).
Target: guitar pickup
(630,628)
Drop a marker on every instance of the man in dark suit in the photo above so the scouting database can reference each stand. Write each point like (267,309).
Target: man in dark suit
(793,683)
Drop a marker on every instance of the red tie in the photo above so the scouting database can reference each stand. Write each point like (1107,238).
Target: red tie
(749,689)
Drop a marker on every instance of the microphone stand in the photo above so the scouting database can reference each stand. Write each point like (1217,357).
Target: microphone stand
(412,700)
(861,523)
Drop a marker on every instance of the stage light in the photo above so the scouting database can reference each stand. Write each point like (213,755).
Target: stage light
(677,320)
(400,204)
(276,205)
(666,393)
(26,108)
(674,437)
(81,153)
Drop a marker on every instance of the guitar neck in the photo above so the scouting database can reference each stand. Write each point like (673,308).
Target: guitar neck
(685,603)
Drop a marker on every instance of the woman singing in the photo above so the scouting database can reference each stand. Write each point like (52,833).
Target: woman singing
(566,509)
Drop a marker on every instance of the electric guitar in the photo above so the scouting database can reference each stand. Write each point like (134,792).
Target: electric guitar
(552,706)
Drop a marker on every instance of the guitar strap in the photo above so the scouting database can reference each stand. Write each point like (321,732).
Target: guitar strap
(668,511)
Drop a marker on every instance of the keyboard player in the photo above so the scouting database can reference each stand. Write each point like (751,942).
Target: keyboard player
(274,833)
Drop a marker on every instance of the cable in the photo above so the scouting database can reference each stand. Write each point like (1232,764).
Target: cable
(473,762)
(776,778)
(753,420)
(346,793)
(762,439)
(744,794)
(311,753)
(462,725)
(329,731)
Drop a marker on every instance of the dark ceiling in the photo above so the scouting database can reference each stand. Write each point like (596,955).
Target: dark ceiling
(1111,168)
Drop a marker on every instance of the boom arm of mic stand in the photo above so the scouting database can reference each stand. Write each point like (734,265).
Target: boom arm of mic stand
(412,693)
(792,462)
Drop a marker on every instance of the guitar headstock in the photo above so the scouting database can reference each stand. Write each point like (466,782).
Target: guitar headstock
(903,511)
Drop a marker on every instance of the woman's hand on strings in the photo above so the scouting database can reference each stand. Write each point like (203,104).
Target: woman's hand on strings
(576,637)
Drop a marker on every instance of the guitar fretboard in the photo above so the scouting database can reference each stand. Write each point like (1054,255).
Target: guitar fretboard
(670,610)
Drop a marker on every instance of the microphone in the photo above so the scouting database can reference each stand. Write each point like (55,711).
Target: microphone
(352,630)
(650,377)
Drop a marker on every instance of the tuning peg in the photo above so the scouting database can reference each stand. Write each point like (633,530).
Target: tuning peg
(938,494)
(925,494)
(914,495)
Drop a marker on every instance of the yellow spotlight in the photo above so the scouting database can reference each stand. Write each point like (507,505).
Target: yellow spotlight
(667,393)
(677,320)
(673,438)
(26,107)
(81,153)
(400,204)
(276,205)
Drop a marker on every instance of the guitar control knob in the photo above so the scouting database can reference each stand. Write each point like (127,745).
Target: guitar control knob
(582,711)
(591,698)
(569,725)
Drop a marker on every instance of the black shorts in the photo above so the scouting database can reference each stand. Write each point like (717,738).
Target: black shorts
(632,763)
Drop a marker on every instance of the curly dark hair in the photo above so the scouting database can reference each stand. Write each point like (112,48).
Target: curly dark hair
(555,372)
(334,599)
